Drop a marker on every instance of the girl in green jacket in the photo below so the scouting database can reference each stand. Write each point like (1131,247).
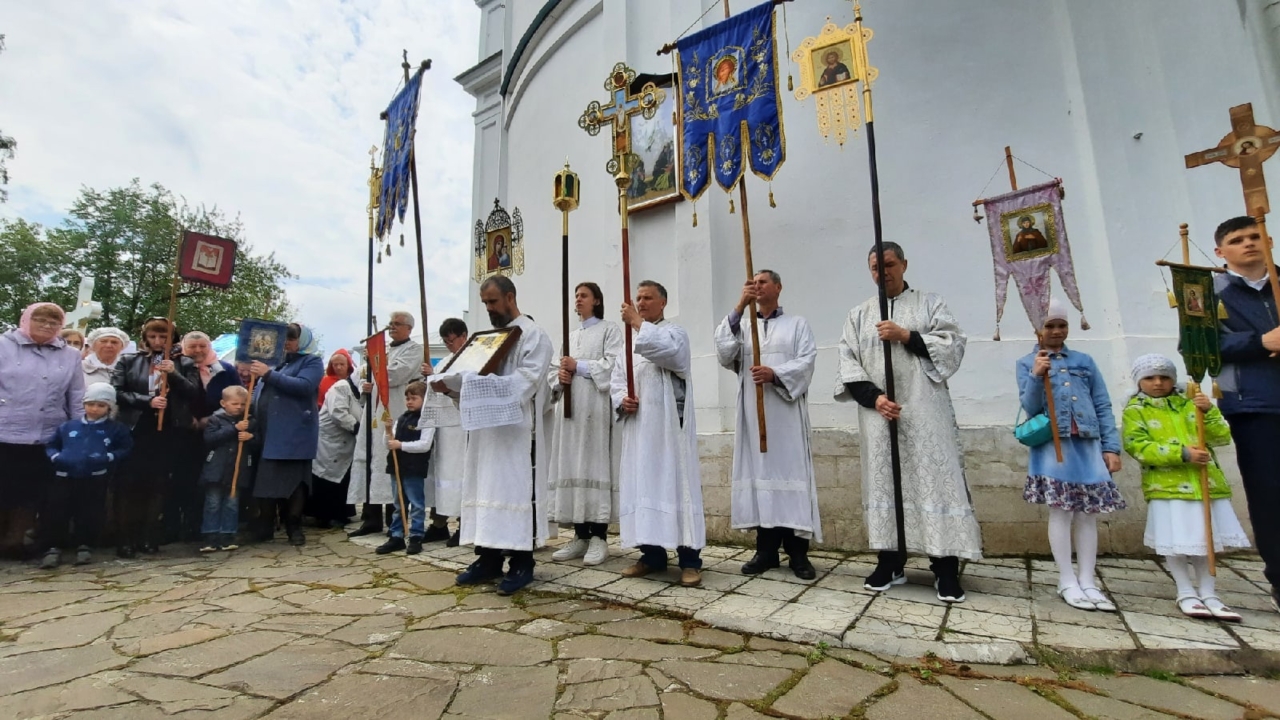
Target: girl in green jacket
(1160,433)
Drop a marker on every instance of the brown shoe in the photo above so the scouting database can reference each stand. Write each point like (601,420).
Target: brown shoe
(689,577)
(637,570)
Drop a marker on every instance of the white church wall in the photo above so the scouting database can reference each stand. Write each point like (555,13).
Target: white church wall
(1067,84)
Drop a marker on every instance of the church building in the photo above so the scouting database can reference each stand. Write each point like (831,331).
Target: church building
(1108,96)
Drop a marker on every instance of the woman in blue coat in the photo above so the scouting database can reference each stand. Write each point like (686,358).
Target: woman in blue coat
(286,410)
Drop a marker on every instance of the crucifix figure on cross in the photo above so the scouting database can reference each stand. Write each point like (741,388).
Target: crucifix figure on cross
(1246,147)
(622,106)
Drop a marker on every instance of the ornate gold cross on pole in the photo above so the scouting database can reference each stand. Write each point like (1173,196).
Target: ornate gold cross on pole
(1246,147)
(622,106)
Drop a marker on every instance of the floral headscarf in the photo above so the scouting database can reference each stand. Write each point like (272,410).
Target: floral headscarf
(208,363)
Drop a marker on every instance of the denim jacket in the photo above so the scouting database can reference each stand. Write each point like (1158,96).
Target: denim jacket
(1079,394)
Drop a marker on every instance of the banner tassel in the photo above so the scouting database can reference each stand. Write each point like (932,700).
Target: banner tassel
(730,206)
(401,239)
(996,337)
(772,204)
(1222,311)
(1084,323)
(1217,391)
(1173,299)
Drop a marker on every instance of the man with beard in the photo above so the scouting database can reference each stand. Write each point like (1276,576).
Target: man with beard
(404,357)
(502,411)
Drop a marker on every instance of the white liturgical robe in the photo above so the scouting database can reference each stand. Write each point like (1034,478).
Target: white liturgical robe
(660,485)
(448,457)
(582,455)
(503,499)
(937,510)
(404,365)
(774,488)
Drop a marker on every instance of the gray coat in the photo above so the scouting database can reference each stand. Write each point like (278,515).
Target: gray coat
(339,420)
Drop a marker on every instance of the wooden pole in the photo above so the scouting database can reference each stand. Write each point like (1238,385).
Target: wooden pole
(417,225)
(623,180)
(374,176)
(235,476)
(1050,405)
(1260,217)
(1192,390)
(395,465)
(567,391)
(168,333)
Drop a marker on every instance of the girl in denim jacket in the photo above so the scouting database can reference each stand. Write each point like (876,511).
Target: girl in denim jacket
(1160,433)
(1079,488)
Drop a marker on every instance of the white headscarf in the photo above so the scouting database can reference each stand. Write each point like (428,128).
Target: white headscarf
(1057,311)
(1153,365)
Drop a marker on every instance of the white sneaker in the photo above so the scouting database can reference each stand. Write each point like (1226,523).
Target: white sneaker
(573,550)
(597,551)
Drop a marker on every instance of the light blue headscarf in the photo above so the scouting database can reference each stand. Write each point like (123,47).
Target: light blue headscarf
(307,343)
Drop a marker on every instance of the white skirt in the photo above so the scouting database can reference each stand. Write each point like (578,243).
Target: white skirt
(1176,527)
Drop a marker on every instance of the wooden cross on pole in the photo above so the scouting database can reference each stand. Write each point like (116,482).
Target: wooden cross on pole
(622,106)
(1246,147)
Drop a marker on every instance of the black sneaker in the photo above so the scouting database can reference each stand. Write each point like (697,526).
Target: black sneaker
(802,568)
(453,539)
(948,588)
(436,533)
(126,552)
(414,547)
(297,539)
(390,546)
(884,577)
(83,555)
(365,529)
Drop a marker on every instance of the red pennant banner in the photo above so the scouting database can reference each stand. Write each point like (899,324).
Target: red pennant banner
(207,260)
(376,350)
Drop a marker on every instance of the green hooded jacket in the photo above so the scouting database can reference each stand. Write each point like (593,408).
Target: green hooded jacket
(1155,431)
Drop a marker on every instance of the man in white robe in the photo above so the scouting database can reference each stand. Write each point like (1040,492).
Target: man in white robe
(774,492)
(404,357)
(582,458)
(660,485)
(448,457)
(927,346)
(500,491)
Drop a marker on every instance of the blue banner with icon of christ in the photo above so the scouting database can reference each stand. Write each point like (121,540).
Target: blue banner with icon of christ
(729,102)
(393,194)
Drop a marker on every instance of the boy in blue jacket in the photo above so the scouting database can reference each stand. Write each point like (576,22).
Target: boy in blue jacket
(84,454)
(227,428)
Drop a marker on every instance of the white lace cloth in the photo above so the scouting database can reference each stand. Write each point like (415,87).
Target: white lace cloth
(490,401)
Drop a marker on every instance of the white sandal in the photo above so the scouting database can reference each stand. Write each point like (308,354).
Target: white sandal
(1219,609)
(1076,598)
(1193,607)
(1099,600)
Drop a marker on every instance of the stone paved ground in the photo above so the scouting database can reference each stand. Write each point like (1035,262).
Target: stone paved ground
(333,631)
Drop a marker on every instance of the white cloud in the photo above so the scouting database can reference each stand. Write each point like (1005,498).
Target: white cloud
(263,109)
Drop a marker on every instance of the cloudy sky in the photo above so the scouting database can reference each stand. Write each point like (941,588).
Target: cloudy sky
(265,109)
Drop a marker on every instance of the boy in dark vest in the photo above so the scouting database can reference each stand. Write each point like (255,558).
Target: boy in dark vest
(411,445)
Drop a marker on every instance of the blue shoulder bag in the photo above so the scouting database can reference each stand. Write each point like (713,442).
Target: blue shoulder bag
(1035,432)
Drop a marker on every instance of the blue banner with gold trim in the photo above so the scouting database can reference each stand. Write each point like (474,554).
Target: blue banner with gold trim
(393,194)
(729,102)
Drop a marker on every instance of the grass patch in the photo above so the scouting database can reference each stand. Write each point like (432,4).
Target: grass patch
(1163,675)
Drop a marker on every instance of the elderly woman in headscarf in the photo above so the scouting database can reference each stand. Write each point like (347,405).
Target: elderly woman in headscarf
(340,413)
(41,387)
(73,338)
(184,503)
(288,417)
(143,482)
(105,346)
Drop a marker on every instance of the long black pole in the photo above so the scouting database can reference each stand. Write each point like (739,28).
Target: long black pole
(895,458)
(368,401)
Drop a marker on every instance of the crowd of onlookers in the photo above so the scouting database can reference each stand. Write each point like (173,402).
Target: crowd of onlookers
(108,442)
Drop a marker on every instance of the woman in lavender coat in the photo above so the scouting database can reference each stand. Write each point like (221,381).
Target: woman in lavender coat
(41,387)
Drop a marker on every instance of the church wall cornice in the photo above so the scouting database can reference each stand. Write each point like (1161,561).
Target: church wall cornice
(533,53)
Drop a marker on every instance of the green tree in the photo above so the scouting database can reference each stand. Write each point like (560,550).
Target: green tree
(126,238)
(7,145)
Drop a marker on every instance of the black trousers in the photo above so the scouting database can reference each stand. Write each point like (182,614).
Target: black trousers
(586,531)
(73,512)
(1256,435)
(290,510)
(184,496)
(328,500)
(24,473)
(141,485)
(770,540)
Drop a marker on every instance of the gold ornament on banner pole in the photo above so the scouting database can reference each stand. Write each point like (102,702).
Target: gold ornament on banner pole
(831,66)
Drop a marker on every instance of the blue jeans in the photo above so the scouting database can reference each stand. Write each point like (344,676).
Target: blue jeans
(221,511)
(656,558)
(415,495)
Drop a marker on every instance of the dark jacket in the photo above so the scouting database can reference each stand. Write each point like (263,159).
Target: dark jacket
(413,460)
(221,443)
(82,449)
(1250,378)
(209,401)
(131,380)
(289,411)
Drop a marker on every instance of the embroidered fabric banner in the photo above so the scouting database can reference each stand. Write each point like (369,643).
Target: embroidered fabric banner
(393,195)
(207,260)
(729,102)
(1028,239)
(376,351)
(1197,319)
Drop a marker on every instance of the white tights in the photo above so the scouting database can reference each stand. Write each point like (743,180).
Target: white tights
(1178,567)
(1086,525)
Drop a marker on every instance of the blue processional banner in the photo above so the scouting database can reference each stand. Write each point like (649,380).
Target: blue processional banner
(393,193)
(729,102)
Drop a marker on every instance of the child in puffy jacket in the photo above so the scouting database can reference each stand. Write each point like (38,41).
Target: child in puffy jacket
(227,428)
(1160,433)
(84,454)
